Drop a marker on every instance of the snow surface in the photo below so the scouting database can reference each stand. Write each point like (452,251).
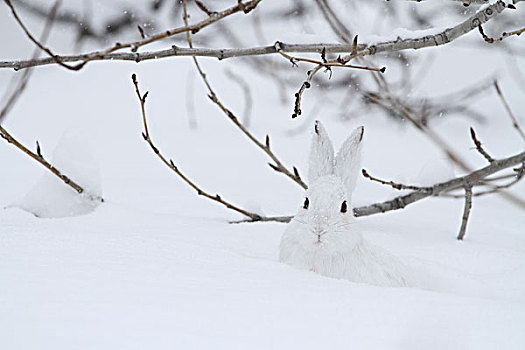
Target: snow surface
(157,267)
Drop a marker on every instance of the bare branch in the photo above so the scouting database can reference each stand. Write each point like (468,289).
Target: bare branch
(495,189)
(170,164)
(517,176)
(509,111)
(176,51)
(444,37)
(134,45)
(203,8)
(39,158)
(310,74)
(305,85)
(248,99)
(395,185)
(399,44)
(503,35)
(466,211)
(38,43)
(434,137)
(479,147)
(475,178)
(277,166)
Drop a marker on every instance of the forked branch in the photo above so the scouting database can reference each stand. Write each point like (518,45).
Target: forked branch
(475,178)
(324,63)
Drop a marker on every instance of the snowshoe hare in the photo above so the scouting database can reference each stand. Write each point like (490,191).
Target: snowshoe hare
(321,237)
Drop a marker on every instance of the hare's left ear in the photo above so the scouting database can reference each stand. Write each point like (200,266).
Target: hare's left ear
(348,160)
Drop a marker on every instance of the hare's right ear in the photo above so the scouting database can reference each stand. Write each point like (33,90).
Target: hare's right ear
(348,160)
(321,154)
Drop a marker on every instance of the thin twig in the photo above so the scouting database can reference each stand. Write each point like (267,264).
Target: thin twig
(297,111)
(276,165)
(38,157)
(517,176)
(395,185)
(325,63)
(466,211)
(170,164)
(248,99)
(509,111)
(190,101)
(335,23)
(479,147)
(310,74)
(502,37)
(204,9)
(434,137)
(37,42)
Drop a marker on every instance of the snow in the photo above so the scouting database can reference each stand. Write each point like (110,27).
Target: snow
(118,278)
(49,198)
(157,267)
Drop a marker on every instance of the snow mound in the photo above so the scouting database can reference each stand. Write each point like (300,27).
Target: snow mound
(50,197)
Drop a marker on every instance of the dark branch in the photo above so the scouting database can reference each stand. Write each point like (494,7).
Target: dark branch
(479,147)
(466,211)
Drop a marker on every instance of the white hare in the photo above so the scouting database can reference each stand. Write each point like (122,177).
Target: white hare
(321,237)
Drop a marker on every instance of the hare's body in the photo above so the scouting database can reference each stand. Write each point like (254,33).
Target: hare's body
(321,237)
(351,258)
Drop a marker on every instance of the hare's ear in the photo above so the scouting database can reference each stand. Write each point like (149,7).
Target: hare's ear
(321,154)
(348,160)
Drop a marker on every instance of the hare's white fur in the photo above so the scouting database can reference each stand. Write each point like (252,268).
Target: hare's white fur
(321,237)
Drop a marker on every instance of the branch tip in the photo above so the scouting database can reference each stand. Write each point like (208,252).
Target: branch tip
(38,150)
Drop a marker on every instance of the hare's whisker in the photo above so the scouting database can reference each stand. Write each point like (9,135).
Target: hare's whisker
(299,221)
(343,225)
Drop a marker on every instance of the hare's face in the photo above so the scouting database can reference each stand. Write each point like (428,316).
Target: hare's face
(325,216)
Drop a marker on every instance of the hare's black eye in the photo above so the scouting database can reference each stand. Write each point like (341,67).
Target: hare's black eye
(344,207)
(306,203)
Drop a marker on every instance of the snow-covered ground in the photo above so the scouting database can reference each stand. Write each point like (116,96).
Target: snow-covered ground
(157,267)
